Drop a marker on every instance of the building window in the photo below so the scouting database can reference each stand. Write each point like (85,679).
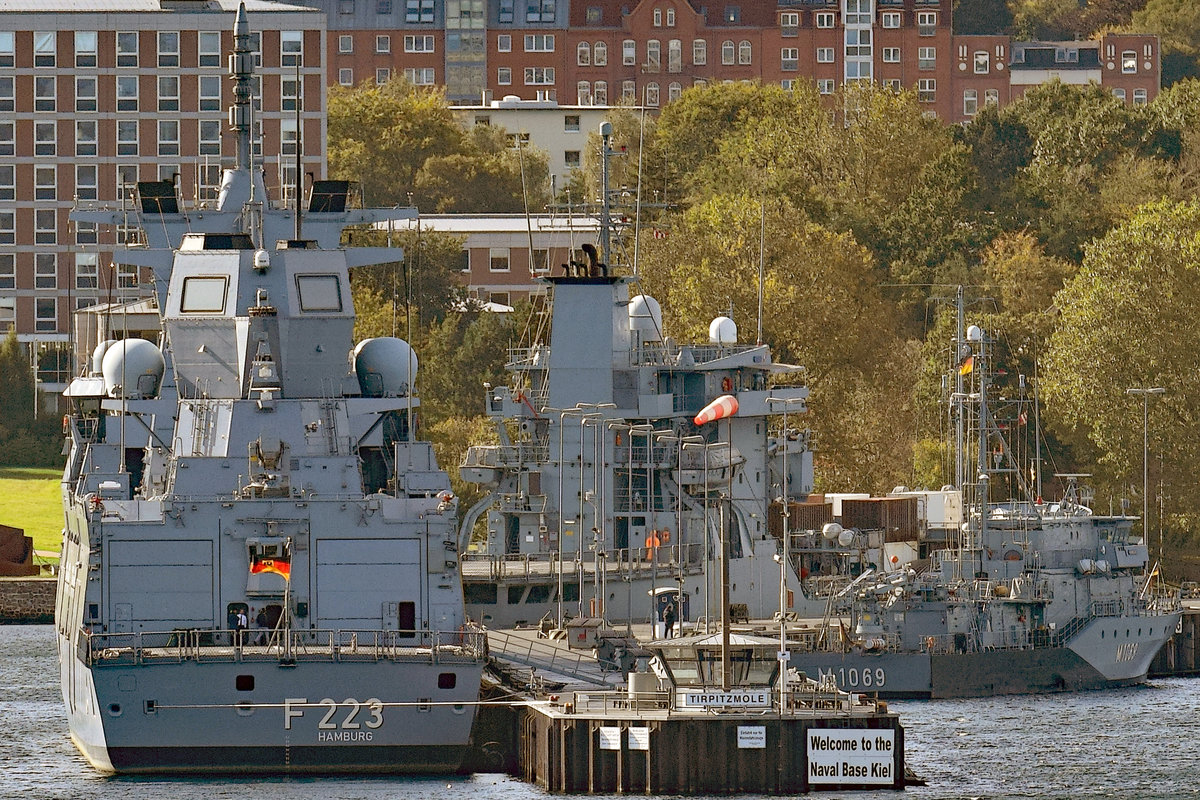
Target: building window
(728,53)
(970,102)
(418,11)
(8,188)
(1066,55)
(127,49)
(1129,62)
(504,76)
(45,271)
(891,55)
(498,259)
(45,181)
(127,137)
(600,93)
(595,15)
(85,233)
(45,225)
(168,48)
(7,94)
(85,94)
(8,271)
(383,7)
(653,56)
(291,48)
(674,90)
(8,313)
(789,58)
(506,11)
(1119,94)
(658,17)
(210,93)
(539,43)
(289,94)
(733,15)
(670,18)
(345,44)
(674,56)
(210,137)
(418,44)
(826,19)
(8,135)
(85,48)
(652,99)
(991,97)
(571,123)
(628,92)
(539,11)
(383,44)
(381,75)
(7,48)
(45,139)
(168,93)
(699,52)
(46,315)
(583,94)
(628,53)
(858,42)
(926,90)
(858,70)
(168,137)
(890,19)
(789,23)
(539,76)
(208,49)
(926,23)
(8,227)
(87,271)
(583,54)
(825,85)
(504,43)
(85,137)
(127,93)
(824,55)
(1139,97)
(346,76)
(419,76)
(982,61)
(600,54)
(44,92)
(745,53)
(926,57)
(44,48)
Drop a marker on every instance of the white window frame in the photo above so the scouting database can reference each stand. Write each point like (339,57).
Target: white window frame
(504,43)
(539,76)
(86,48)
(345,43)
(383,43)
(891,55)
(970,102)
(745,53)
(926,58)
(628,53)
(825,19)
(825,55)
(981,62)
(499,259)
(168,48)
(291,48)
(699,52)
(208,49)
(889,19)
(1129,64)
(789,24)
(600,54)
(504,76)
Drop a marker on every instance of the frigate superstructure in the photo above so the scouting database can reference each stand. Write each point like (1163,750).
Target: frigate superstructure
(259,569)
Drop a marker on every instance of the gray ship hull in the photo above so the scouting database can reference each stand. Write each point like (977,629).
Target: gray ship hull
(386,718)
(1121,657)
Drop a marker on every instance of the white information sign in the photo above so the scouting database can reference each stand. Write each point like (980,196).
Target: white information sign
(610,738)
(854,756)
(639,739)
(752,737)
(718,698)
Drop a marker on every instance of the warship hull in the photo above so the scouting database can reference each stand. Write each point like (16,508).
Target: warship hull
(1120,658)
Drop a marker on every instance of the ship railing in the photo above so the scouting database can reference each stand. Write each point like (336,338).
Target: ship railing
(496,456)
(666,560)
(467,645)
(522,501)
(977,641)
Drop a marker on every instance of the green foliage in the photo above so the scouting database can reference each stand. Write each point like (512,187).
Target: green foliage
(451,437)
(981,17)
(16,383)
(428,277)
(489,177)
(1177,24)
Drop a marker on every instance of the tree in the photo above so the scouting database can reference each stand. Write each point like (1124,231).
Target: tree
(489,176)
(1177,24)
(1128,320)
(381,135)
(16,378)
(428,278)
(1047,20)
(981,17)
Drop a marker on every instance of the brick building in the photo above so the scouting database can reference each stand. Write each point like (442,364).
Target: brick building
(97,94)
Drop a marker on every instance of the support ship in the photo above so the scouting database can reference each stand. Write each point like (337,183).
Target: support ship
(259,569)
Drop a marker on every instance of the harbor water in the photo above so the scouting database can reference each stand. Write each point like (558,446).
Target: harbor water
(1133,743)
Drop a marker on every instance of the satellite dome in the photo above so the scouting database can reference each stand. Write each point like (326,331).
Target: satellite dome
(722,330)
(645,316)
(133,369)
(98,354)
(386,366)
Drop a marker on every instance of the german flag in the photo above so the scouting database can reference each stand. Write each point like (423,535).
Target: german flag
(280,566)
(966,366)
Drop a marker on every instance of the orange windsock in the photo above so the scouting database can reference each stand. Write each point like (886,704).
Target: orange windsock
(724,406)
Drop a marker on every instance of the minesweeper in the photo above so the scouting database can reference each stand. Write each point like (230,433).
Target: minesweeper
(259,568)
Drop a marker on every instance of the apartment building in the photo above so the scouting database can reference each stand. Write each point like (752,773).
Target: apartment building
(98,94)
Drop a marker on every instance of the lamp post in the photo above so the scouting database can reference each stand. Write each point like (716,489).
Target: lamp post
(1144,393)
(784,657)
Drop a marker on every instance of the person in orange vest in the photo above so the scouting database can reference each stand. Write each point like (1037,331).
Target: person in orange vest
(652,544)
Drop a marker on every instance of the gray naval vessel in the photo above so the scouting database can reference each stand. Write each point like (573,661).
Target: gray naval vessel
(1018,596)
(259,567)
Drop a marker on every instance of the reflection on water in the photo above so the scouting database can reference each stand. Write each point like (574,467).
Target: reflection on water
(1132,743)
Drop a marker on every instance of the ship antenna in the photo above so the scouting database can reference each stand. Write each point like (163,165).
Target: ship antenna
(241,65)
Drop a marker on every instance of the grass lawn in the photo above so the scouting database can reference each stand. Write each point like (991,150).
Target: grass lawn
(31,499)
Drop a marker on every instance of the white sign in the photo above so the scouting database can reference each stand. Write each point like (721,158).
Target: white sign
(639,739)
(610,738)
(752,737)
(851,756)
(717,698)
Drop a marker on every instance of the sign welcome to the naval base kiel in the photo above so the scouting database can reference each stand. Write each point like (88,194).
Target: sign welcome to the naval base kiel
(844,755)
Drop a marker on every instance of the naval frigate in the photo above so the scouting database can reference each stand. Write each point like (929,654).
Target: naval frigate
(259,570)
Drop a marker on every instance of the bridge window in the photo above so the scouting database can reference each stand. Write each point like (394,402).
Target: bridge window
(204,295)
(319,292)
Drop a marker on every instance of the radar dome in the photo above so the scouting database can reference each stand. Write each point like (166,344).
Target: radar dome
(645,315)
(722,330)
(133,369)
(98,354)
(386,366)
(831,531)
(845,538)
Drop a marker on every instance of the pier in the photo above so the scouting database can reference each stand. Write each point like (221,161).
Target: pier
(1179,656)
